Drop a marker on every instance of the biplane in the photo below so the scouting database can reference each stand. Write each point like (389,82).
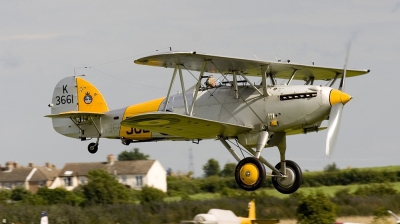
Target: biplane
(230,108)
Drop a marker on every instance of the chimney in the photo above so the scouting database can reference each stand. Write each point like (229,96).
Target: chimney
(9,165)
(16,165)
(30,165)
(53,166)
(110,159)
(48,165)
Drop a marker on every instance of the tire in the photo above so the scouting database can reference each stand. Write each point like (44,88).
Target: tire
(250,174)
(285,185)
(92,148)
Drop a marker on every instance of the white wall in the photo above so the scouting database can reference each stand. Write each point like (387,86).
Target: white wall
(157,177)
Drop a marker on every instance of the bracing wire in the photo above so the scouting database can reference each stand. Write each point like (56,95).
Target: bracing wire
(118,60)
(133,56)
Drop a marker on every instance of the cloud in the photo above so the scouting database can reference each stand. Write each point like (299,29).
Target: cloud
(38,36)
(10,60)
(396,7)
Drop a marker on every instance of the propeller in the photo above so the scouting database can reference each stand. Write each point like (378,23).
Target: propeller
(338,99)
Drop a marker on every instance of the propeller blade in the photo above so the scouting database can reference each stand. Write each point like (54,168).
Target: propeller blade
(341,86)
(333,127)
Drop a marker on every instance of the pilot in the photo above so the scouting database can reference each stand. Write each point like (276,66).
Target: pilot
(211,82)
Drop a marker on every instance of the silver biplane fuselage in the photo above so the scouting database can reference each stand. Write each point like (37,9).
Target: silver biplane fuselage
(288,109)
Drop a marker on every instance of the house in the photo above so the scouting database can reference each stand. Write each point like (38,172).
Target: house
(31,177)
(133,174)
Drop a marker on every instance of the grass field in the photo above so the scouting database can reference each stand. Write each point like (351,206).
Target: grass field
(355,220)
(328,190)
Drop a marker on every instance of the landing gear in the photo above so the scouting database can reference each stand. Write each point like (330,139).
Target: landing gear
(250,174)
(93,147)
(292,181)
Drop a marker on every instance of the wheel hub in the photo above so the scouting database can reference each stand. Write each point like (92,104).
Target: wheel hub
(288,180)
(249,174)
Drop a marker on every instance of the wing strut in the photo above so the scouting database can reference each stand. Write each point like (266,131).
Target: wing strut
(251,84)
(170,87)
(235,86)
(334,79)
(183,90)
(291,77)
(264,79)
(310,81)
(197,87)
(177,68)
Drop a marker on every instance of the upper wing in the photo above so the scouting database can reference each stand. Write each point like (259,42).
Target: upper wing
(184,126)
(225,65)
(69,114)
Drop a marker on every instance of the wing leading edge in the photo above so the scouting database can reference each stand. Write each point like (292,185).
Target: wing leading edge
(184,126)
(220,64)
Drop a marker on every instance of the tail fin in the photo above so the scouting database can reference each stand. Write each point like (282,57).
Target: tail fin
(252,210)
(76,94)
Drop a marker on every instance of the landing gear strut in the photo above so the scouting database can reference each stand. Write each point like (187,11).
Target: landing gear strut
(93,147)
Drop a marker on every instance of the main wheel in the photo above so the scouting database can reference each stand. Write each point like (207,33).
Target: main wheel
(250,174)
(292,182)
(92,147)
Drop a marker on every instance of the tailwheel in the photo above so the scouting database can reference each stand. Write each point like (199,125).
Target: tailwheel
(250,174)
(92,147)
(292,181)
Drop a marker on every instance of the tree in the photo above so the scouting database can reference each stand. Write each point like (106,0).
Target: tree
(315,208)
(331,168)
(58,196)
(102,188)
(132,155)
(211,168)
(5,196)
(19,193)
(151,194)
(229,170)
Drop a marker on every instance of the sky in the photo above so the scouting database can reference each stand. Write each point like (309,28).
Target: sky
(42,42)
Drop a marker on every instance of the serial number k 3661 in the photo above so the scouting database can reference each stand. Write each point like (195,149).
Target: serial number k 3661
(64,99)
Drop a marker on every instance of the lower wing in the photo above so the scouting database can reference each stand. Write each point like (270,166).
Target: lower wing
(184,126)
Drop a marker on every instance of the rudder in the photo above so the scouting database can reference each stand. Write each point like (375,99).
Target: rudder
(76,94)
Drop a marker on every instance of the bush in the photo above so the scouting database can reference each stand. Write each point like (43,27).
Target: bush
(19,193)
(180,185)
(151,194)
(380,215)
(315,208)
(56,196)
(376,190)
(102,188)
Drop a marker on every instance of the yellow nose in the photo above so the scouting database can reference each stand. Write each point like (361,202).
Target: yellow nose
(338,96)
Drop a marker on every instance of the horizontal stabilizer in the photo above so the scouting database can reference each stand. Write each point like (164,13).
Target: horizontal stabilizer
(184,126)
(69,114)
